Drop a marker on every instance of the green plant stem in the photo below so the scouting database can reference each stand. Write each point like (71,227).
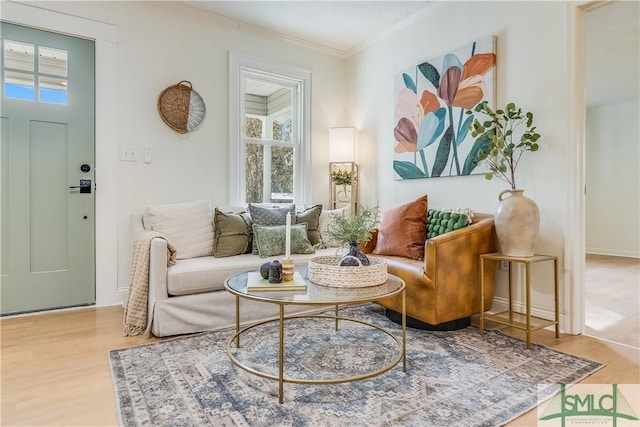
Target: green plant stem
(424,163)
(460,121)
(503,154)
(453,142)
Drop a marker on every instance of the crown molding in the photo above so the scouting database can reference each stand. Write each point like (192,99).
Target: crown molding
(322,48)
(431,8)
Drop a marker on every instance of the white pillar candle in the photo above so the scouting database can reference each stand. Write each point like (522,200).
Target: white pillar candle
(287,237)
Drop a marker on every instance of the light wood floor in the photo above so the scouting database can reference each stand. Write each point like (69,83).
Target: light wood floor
(612,298)
(55,368)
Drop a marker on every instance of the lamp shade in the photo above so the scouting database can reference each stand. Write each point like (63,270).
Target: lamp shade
(342,145)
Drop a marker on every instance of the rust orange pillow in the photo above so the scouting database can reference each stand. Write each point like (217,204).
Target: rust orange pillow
(403,230)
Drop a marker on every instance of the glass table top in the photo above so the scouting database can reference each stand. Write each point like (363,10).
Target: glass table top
(316,294)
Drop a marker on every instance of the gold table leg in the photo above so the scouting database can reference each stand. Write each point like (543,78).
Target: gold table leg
(555,296)
(237,321)
(528,302)
(481,296)
(281,358)
(510,294)
(404,330)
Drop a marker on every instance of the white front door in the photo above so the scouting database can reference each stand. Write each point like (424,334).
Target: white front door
(47,168)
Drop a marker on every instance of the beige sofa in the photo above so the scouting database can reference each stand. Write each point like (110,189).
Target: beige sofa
(190,296)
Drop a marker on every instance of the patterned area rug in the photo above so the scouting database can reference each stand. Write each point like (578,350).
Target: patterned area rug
(454,378)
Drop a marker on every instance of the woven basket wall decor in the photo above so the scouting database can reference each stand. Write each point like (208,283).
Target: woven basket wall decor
(181,107)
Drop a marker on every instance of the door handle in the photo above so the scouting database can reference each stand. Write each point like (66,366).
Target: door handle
(85,186)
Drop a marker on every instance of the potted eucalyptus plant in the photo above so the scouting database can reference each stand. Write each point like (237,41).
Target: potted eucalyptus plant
(501,149)
(354,230)
(503,138)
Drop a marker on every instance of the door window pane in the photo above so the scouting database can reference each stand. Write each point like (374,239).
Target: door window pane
(19,56)
(52,61)
(19,64)
(53,90)
(19,85)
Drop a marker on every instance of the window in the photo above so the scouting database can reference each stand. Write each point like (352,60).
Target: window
(29,69)
(269,132)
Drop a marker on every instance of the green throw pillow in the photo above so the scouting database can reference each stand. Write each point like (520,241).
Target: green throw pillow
(440,222)
(269,216)
(270,240)
(233,233)
(311,217)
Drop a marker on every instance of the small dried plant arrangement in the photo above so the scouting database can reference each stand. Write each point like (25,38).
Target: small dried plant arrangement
(341,177)
(356,228)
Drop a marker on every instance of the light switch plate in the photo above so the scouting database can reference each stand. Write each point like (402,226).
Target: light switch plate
(147,153)
(129,153)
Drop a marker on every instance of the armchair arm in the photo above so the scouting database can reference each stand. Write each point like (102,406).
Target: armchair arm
(157,274)
(452,263)
(464,243)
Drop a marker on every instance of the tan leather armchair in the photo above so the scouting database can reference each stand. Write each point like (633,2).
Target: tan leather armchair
(443,290)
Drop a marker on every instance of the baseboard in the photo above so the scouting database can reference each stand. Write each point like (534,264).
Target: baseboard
(123,294)
(612,252)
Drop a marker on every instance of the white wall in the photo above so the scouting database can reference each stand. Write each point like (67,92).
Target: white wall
(532,70)
(159,44)
(613,180)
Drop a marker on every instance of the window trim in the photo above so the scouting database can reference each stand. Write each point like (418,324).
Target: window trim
(240,65)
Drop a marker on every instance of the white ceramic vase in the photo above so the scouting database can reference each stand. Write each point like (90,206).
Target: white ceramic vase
(517,222)
(344,195)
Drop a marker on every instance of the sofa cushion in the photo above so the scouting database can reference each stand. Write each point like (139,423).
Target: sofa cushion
(270,215)
(440,222)
(403,230)
(205,274)
(271,240)
(188,226)
(324,222)
(311,217)
(233,233)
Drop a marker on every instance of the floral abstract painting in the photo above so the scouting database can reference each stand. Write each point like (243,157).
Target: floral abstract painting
(434,104)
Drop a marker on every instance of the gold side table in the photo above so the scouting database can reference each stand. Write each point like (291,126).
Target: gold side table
(513,318)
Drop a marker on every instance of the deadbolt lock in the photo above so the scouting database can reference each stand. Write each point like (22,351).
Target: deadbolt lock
(85,186)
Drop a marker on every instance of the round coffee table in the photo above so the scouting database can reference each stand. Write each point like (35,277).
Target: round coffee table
(315,295)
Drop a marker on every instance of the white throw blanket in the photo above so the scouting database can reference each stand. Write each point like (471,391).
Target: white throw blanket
(135,310)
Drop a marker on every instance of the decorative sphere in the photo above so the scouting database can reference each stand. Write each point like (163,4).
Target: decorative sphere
(349,261)
(264,270)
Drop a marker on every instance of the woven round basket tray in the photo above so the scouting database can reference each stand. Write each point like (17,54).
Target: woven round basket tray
(326,271)
(181,107)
